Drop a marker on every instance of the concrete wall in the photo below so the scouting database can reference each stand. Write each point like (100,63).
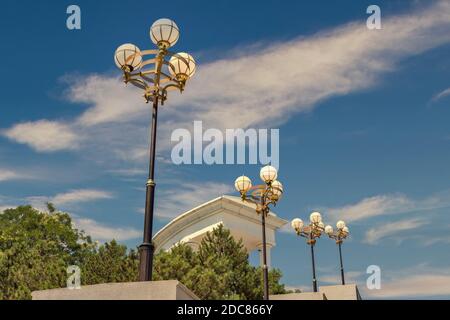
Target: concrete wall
(299,296)
(338,292)
(155,290)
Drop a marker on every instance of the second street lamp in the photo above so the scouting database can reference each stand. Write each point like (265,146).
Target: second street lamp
(311,232)
(339,235)
(262,196)
(155,76)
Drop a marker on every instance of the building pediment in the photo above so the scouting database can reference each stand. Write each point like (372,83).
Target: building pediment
(237,216)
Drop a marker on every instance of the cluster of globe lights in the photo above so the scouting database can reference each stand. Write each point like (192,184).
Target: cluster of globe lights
(268,175)
(317,226)
(164,33)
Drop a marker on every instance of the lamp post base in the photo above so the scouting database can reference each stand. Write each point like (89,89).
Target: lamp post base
(146,261)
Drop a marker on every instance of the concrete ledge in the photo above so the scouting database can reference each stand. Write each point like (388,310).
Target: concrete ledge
(155,290)
(299,296)
(346,292)
(341,292)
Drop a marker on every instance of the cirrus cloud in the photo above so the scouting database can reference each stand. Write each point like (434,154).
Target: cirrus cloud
(441,95)
(81,195)
(6,175)
(334,62)
(388,204)
(174,201)
(44,135)
(373,235)
(70,198)
(102,232)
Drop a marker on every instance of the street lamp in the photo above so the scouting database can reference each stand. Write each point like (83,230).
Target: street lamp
(311,232)
(262,196)
(339,235)
(155,76)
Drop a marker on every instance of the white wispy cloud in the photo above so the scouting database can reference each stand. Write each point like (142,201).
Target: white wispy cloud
(441,95)
(432,240)
(413,282)
(8,202)
(287,228)
(387,204)
(129,172)
(102,232)
(122,103)
(173,202)
(44,135)
(372,207)
(423,285)
(419,281)
(335,278)
(4,207)
(262,83)
(387,230)
(80,195)
(410,282)
(68,199)
(6,175)
(23,173)
(97,230)
(416,282)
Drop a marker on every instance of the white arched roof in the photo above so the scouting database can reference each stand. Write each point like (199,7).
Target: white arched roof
(237,216)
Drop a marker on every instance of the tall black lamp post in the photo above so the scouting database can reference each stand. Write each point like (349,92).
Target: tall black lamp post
(162,72)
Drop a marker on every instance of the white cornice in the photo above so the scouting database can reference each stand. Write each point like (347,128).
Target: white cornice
(228,204)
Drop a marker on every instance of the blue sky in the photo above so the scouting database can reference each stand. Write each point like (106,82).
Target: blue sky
(363,118)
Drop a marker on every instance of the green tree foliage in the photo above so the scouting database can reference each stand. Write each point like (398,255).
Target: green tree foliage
(37,247)
(219,270)
(110,262)
(35,250)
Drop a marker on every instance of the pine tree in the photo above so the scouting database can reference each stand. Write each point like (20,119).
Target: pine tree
(219,270)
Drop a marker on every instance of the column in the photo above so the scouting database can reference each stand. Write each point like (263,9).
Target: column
(268,249)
